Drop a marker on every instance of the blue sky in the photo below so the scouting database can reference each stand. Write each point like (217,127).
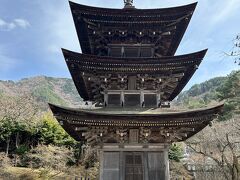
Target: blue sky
(32,33)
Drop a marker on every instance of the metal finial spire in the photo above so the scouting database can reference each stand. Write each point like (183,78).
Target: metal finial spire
(128,4)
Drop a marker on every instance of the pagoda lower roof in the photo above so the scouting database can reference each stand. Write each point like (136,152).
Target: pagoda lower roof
(95,25)
(74,120)
(83,66)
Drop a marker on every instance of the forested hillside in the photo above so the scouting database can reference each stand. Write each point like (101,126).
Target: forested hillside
(226,89)
(43,89)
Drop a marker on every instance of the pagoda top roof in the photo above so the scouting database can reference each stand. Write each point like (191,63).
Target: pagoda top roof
(164,28)
(116,12)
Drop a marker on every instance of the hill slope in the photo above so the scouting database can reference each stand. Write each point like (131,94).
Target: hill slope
(225,89)
(59,91)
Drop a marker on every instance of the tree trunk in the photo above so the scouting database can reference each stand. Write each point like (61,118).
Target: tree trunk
(17,140)
(7,148)
(235,169)
(16,145)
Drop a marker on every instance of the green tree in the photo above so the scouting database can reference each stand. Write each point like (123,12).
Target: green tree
(175,152)
(52,133)
(17,115)
(229,92)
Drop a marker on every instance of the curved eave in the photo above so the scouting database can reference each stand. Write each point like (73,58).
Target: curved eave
(71,131)
(141,12)
(81,13)
(79,57)
(77,118)
(79,63)
(103,113)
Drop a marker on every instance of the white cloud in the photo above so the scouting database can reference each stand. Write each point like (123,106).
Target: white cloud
(2,22)
(6,26)
(16,23)
(22,23)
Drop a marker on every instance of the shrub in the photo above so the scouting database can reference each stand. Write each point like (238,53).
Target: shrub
(90,158)
(49,157)
(22,149)
(175,153)
(5,161)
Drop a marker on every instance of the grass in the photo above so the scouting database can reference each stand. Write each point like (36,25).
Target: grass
(21,173)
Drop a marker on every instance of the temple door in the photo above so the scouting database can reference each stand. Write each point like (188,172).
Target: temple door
(134,166)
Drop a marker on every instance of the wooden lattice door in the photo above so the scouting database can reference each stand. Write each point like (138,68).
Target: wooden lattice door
(133,166)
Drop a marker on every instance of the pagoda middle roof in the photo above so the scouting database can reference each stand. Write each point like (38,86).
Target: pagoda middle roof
(83,66)
(164,27)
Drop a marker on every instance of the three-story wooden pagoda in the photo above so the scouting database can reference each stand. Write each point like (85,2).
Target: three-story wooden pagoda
(129,70)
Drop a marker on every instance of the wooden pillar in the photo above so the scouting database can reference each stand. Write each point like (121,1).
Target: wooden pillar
(122,51)
(158,96)
(101,165)
(152,51)
(122,99)
(141,99)
(105,99)
(167,171)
